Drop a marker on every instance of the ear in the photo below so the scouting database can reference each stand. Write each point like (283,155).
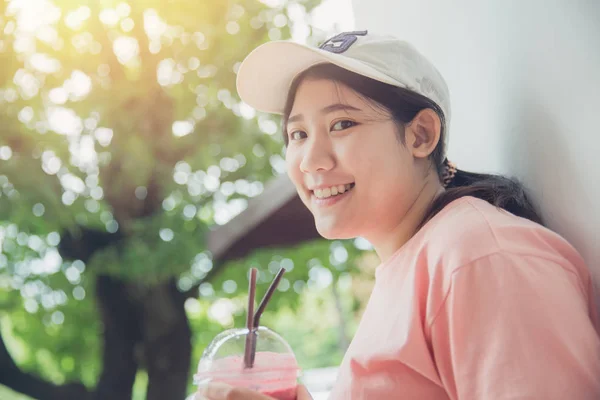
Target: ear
(423,133)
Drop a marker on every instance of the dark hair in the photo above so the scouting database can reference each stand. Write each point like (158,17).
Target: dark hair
(404,105)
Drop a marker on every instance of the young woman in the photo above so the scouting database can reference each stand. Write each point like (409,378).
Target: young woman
(474,297)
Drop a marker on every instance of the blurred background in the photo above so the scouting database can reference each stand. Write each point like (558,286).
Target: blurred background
(123,148)
(136,190)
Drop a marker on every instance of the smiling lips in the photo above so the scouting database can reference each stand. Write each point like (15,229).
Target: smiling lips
(327,192)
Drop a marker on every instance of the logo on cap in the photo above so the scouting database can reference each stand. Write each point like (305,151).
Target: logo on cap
(341,42)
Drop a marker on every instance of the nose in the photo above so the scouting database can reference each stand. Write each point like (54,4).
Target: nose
(318,154)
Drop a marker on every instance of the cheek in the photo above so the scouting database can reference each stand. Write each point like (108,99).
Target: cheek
(371,162)
(354,156)
(383,169)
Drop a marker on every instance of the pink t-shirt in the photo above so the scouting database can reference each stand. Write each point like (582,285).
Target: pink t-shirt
(478,305)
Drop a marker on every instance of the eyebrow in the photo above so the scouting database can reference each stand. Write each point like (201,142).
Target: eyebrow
(326,110)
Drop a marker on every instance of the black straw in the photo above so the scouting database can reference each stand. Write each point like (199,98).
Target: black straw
(250,346)
(268,295)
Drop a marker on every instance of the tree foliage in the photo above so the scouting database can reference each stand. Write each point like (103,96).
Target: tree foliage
(122,143)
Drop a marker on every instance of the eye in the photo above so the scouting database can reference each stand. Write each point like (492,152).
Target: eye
(343,124)
(297,135)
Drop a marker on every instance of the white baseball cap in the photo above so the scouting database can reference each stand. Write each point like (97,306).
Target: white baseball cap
(266,74)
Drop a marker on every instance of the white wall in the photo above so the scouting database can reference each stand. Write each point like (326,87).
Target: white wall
(524,78)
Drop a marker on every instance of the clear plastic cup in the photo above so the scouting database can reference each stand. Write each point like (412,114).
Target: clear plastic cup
(275,371)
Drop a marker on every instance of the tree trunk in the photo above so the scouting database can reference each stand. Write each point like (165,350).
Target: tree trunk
(137,317)
(167,342)
(151,318)
(120,316)
(32,386)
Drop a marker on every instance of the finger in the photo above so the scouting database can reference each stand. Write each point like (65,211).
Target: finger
(246,394)
(222,391)
(303,393)
(214,391)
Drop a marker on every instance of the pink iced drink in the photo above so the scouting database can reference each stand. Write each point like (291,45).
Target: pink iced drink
(273,374)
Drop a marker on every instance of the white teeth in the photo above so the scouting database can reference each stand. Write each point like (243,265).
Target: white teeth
(332,191)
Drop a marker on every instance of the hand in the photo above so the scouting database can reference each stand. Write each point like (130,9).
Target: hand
(221,391)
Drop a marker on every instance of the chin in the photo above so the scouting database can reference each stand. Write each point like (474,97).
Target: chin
(334,232)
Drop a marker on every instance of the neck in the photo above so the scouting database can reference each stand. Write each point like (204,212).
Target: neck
(388,242)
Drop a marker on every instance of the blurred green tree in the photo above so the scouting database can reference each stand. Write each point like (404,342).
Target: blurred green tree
(122,141)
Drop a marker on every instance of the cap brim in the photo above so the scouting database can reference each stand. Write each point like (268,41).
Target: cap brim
(266,75)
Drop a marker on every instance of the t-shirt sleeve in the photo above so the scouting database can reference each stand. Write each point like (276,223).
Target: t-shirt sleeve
(516,327)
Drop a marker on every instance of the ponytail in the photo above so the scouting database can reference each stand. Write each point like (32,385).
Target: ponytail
(500,191)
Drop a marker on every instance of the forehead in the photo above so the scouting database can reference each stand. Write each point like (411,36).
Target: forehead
(315,94)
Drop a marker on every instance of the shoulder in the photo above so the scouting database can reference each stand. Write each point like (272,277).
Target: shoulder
(470,229)
(476,242)
(471,232)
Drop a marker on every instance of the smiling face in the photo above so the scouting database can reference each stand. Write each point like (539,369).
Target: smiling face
(347,162)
